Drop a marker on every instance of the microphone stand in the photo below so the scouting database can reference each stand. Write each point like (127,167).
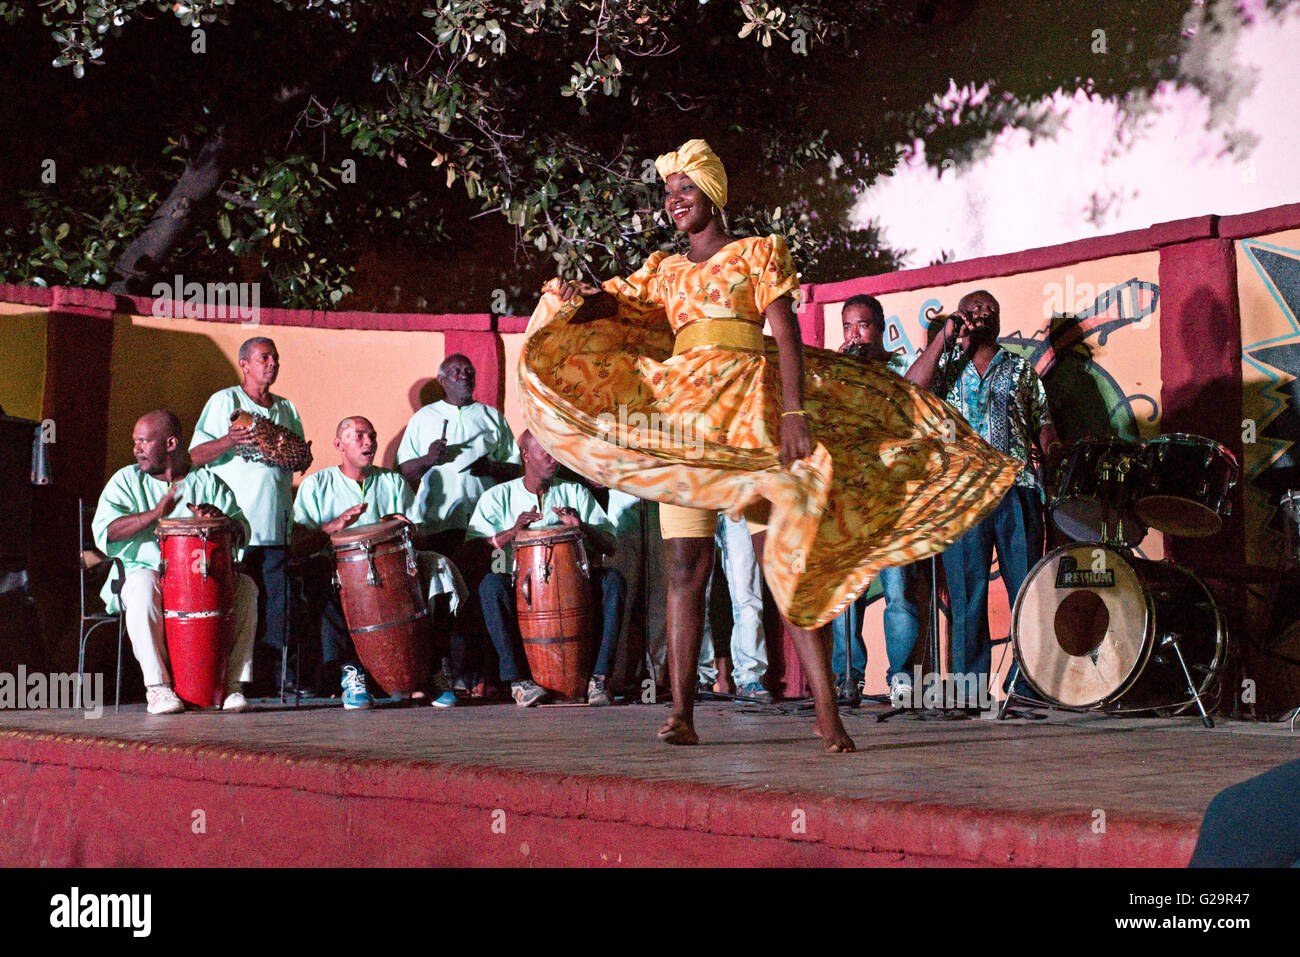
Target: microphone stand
(921,709)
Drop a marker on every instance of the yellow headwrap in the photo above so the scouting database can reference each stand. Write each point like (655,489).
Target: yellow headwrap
(698,161)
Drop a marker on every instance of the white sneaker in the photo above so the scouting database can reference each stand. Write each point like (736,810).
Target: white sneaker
(900,691)
(163,700)
(235,701)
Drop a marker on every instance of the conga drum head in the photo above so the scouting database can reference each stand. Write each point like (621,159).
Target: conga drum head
(191,526)
(547,536)
(371,534)
(1080,625)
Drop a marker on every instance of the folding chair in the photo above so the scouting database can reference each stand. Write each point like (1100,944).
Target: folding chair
(94,567)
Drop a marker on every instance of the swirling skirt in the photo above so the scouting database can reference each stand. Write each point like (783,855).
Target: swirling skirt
(896,475)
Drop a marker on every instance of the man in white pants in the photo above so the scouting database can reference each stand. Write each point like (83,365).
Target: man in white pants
(748,645)
(165,484)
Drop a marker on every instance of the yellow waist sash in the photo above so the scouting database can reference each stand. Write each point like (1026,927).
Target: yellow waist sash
(719,334)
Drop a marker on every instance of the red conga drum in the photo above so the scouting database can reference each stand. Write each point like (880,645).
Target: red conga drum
(553,602)
(385,607)
(198,592)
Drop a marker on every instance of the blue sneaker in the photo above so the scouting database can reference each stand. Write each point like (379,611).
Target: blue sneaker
(443,696)
(355,695)
(755,692)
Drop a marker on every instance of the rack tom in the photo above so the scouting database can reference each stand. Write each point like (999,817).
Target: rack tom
(198,598)
(1100,479)
(1185,489)
(554,603)
(384,603)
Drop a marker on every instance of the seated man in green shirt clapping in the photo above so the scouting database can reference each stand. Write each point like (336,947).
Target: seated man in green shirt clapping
(164,483)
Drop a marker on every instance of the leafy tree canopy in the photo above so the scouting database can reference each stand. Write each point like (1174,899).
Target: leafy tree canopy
(310,144)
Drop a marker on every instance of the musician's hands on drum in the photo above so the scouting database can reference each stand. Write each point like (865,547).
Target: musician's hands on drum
(796,443)
(397,516)
(343,521)
(568,516)
(204,510)
(524,520)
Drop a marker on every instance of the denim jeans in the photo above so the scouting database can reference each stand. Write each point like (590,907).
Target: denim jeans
(902,624)
(1015,528)
(748,646)
(497,594)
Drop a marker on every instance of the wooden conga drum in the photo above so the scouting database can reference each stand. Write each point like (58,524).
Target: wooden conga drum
(385,607)
(198,595)
(553,602)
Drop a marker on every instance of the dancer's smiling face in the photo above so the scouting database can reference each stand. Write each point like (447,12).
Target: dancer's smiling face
(687,206)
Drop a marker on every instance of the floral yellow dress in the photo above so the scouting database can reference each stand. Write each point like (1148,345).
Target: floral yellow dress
(896,475)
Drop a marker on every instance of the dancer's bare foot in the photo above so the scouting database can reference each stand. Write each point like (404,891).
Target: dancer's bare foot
(678,731)
(838,741)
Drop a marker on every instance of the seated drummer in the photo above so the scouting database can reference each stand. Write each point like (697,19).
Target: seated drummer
(358,492)
(164,483)
(502,513)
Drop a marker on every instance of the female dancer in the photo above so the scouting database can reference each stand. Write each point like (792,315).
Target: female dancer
(719,420)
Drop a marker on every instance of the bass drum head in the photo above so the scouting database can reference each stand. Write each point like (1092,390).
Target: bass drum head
(1080,625)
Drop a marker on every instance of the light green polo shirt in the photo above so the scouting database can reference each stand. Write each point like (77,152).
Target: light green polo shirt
(501,505)
(325,495)
(131,491)
(448,492)
(265,492)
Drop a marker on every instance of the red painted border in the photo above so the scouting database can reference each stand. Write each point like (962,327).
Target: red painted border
(83,801)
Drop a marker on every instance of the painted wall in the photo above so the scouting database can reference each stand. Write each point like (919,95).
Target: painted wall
(1268,288)
(1092,330)
(22,383)
(327,373)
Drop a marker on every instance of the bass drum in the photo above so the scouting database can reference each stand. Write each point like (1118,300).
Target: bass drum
(1089,626)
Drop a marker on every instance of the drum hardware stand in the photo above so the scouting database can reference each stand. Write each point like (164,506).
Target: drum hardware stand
(287,606)
(1171,640)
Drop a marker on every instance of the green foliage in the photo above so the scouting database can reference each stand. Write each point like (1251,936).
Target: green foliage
(73,236)
(540,116)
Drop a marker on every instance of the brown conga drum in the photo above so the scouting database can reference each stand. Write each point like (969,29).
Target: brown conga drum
(553,602)
(198,592)
(385,607)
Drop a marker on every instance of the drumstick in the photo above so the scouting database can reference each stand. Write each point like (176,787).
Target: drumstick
(444,430)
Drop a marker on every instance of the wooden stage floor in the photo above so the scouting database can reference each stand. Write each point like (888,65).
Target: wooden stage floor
(498,785)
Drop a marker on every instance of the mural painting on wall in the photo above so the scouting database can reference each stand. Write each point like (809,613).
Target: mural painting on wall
(1095,345)
(1269,291)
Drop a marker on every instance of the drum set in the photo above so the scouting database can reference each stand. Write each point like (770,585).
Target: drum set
(1096,628)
